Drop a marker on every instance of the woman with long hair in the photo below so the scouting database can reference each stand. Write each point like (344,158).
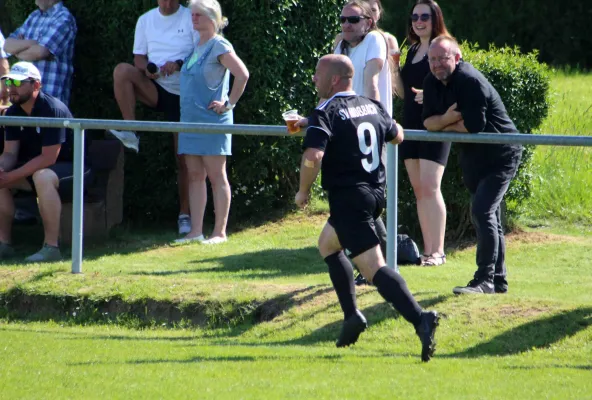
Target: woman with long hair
(425,161)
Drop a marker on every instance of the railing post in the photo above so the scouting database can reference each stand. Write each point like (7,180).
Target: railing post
(391,206)
(77,197)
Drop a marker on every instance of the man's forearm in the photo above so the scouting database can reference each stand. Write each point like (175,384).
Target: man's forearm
(34,53)
(7,161)
(308,174)
(458,127)
(437,122)
(32,166)
(15,46)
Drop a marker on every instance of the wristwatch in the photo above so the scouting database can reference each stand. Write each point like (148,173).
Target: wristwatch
(180,64)
(228,105)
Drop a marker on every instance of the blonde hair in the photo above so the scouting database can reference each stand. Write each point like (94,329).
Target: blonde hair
(211,9)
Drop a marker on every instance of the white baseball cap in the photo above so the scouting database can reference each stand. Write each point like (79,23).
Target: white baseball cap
(23,70)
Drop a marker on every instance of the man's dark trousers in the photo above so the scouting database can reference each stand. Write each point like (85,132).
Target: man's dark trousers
(488,184)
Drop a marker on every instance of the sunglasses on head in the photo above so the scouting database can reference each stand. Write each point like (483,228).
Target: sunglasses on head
(15,82)
(352,20)
(423,17)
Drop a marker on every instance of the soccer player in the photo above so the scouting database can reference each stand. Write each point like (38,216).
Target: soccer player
(347,133)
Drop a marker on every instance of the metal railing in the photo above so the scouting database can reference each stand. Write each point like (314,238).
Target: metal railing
(79,125)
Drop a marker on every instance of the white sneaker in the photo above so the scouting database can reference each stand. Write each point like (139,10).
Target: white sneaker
(184,240)
(184,224)
(127,138)
(215,240)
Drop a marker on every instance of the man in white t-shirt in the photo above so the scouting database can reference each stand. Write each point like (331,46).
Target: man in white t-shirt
(164,38)
(367,49)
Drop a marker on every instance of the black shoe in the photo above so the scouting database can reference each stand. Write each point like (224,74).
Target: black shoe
(426,331)
(500,288)
(359,280)
(475,287)
(351,329)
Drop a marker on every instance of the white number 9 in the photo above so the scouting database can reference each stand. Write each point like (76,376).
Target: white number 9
(372,149)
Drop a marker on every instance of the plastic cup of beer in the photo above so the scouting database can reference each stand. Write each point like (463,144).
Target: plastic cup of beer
(291,117)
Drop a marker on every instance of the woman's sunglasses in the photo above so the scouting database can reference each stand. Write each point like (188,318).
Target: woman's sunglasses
(353,19)
(423,17)
(15,82)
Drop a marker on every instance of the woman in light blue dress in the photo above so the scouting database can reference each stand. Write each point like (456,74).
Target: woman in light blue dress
(204,98)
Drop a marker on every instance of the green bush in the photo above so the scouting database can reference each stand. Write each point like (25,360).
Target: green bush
(523,85)
(280,41)
(559,31)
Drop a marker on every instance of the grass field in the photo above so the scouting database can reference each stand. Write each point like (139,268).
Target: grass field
(535,342)
(563,181)
(269,317)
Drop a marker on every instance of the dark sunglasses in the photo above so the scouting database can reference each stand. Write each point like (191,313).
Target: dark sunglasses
(423,17)
(354,19)
(15,82)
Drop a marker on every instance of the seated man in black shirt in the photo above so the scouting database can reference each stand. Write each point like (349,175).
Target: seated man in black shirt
(347,133)
(33,159)
(458,98)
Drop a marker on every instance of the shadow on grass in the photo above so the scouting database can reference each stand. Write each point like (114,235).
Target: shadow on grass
(558,366)
(274,263)
(536,334)
(374,315)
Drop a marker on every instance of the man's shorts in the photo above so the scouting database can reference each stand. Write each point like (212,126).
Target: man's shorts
(168,103)
(65,173)
(353,211)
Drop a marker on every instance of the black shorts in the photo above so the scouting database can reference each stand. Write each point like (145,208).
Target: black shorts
(168,103)
(65,173)
(437,152)
(353,211)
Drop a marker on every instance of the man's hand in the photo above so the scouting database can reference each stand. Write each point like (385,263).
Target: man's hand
(169,68)
(302,122)
(452,115)
(151,76)
(6,178)
(301,199)
(418,95)
(218,107)
(458,127)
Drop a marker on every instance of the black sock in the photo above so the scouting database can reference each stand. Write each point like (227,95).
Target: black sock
(342,275)
(392,288)
(382,235)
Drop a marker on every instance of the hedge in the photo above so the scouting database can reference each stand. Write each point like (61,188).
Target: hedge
(557,30)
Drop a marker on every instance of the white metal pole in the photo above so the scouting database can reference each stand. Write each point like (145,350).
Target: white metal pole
(391,206)
(78,198)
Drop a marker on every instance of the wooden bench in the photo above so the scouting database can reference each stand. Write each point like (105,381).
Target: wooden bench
(103,192)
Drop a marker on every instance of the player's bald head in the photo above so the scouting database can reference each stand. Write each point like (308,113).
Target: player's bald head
(338,65)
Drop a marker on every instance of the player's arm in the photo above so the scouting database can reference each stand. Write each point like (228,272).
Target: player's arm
(309,170)
(396,134)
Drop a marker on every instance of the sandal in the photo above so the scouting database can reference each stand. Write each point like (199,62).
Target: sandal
(434,260)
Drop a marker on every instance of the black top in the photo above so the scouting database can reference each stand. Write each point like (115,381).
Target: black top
(32,139)
(352,131)
(479,103)
(413,75)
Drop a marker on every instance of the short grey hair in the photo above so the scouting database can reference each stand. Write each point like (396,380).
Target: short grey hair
(211,9)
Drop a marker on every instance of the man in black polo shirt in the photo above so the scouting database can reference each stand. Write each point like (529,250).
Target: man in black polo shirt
(458,98)
(347,133)
(34,159)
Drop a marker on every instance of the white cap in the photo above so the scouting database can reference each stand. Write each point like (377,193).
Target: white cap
(23,70)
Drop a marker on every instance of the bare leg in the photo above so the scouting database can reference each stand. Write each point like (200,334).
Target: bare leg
(6,216)
(182,183)
(196,177)
(216,171)
(50,206)
(130,85)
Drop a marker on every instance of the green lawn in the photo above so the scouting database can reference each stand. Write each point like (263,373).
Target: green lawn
(535,342)
(562,177)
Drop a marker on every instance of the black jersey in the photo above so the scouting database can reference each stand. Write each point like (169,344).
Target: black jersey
(352,131)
